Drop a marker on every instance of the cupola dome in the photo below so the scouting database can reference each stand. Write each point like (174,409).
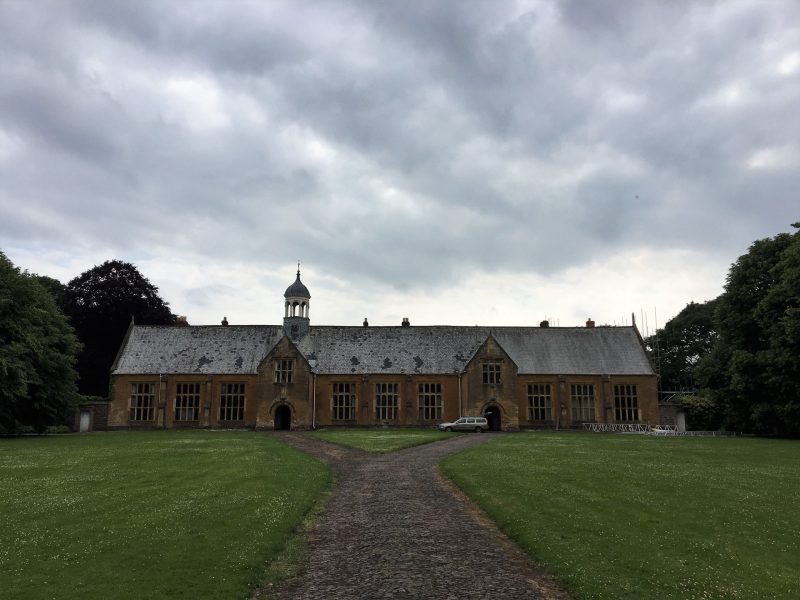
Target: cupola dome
(296,305)
(297,289)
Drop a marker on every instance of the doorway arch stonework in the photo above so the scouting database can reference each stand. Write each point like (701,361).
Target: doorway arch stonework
(282,417)
(494,415)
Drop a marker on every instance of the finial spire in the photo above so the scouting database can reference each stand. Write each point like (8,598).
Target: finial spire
(298,268)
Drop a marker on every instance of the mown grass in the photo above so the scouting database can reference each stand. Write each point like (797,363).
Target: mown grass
(160,514)
(381,441)
(621,516)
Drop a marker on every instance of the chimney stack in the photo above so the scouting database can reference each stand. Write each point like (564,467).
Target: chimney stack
(181,321)
(366,323)
(589,322)
(406,322)
(544,323)
(224,321)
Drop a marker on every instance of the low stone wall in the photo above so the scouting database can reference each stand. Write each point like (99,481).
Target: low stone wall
(98,416)
(668,412)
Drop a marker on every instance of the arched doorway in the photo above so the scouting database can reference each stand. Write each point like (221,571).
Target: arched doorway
(492,415)
(283,417)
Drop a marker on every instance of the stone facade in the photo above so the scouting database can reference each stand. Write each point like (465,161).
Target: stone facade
(299,376)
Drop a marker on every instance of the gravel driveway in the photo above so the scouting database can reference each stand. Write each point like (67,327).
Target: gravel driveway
(394,528)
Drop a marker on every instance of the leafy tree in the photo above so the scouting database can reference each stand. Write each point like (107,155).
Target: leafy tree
(701,411)
(682,342)
(37,354)
(753,371)
(54,286)
(100,304)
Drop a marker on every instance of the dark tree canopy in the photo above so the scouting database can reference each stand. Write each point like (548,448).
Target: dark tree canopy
(37,354)
(100,304)
(742,350)
(753,372)
(54,286)
(686,338)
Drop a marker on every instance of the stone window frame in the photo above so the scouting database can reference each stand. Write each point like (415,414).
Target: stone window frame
(344,401)
(142,401)
(626,403)
(284,370)
(582,398)
(429,401)
(540,402)
(387,401)
(187,401)
(491,372)
(232,400)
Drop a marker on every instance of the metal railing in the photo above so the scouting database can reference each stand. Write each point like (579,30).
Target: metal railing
(655,430)
(604,427)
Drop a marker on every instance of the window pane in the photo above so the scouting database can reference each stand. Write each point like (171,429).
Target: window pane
(284,371)
(231,402)
(582,396)
(539,402)
(491,372)
(626,403)
(387,401)
(187,402)
(142,401)
(344,402)
(430,401)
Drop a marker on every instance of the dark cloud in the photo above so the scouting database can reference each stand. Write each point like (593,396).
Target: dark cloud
(395,142)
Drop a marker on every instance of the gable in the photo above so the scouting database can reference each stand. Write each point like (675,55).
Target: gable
(284,348)
(491,349)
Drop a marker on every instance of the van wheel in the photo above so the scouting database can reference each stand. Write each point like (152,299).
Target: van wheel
(448,429)
(478,430)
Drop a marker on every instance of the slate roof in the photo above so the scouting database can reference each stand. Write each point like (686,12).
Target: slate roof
(363,350)
(575,350)
(217,349)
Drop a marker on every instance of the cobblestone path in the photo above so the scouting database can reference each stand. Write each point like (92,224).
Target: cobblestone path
(394,528)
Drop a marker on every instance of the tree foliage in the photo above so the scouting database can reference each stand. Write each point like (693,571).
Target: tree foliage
(753,371)
(100,303)
(37,353)
(683,341)
(702,413)
(54,286)
(743,348)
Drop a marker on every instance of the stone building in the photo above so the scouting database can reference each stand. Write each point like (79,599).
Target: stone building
(303,376)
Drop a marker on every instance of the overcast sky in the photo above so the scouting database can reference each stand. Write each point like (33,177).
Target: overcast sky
(487,163)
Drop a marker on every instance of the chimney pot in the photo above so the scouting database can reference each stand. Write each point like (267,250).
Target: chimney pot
(366,323)
(224,321)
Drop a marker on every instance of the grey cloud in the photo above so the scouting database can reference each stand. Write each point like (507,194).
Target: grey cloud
(475,113)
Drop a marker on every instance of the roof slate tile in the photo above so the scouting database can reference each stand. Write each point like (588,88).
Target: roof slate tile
(364,350)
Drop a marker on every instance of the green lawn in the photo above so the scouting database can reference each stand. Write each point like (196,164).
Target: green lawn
(624,516)
(381,440)
(192,514)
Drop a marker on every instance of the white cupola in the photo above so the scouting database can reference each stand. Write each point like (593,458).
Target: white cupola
(297,301)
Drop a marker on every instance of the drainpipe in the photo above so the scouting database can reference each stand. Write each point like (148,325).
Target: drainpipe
(163,409)
(314,402)
(460,406)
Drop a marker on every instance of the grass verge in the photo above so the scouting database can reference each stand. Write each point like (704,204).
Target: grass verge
(158,514)
(621,516)
(381,441)
(288,562)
